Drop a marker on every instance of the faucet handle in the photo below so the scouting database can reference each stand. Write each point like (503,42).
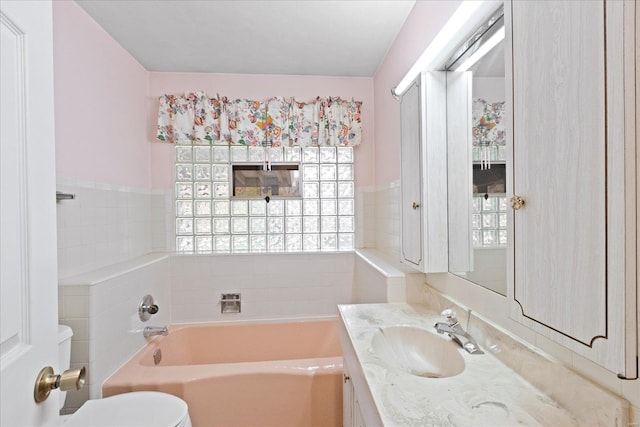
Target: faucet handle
(450,315)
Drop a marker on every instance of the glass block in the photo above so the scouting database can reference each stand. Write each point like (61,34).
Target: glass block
(489,204)
(476,222)
(258,225)
(329,224)
(345,154)
(345,207)
(222,243)
(257,207)
(328,189)
(203,226)
(293,224)
(256,154)
(184,191)
(502,152)
(477,204)
(346,242)
(184,172)
(202,154)
(184,243)
(276,243)
(489,220)
(477,239)
(345,189)
(489,238)
(294,207)
(183,154)
(203,172)
(293,242)
(184,208)
(310,172)
(203,190)
(220,172)
(276,225)
(310,190)
(502,237)
(346,224)
(311,206)
(328,242)
(292,154)
(275,154)
(310,242)
(221,225)
(502,221)
(240,225)
(220,190)
(311,224)
(221,208)
(240,207)
(184,226)
(220,154)
(239,154)
(327,154)
(310,155)
(502,204)
(240,243)
(328,207)
(204,243)
(203,208)
(258,243)
(275,207)
(345,172)
(328,172)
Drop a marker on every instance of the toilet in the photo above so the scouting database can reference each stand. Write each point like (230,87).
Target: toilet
(136,409)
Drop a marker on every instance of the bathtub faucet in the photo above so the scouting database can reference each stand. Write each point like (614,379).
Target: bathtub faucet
(150,331)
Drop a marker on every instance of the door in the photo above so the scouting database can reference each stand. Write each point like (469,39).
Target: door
(28,270)
(411,155)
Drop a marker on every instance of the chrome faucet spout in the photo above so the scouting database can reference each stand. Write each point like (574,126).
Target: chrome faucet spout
(454,330)
(150,331)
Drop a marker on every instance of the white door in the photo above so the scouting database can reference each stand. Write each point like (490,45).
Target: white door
(28,270)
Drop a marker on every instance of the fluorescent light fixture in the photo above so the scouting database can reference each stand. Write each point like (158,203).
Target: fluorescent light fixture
(482,50)
(455,28)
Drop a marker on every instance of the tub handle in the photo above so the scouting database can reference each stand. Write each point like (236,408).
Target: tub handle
(147,308)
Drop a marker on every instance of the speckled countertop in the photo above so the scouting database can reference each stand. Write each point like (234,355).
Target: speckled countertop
(486,393)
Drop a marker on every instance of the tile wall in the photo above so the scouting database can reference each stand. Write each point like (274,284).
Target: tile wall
(273,286)
(387,220)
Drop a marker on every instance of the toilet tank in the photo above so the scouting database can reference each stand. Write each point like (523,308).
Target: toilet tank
(64,354)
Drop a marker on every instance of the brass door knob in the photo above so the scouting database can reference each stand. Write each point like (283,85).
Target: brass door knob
(415,205)
(71,379)
(517,202)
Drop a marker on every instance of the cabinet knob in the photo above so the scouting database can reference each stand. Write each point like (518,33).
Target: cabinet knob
(415,205)
(517,202)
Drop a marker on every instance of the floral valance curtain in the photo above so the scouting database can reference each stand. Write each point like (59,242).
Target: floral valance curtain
(195,118)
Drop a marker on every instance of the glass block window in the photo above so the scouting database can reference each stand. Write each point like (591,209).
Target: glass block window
(489,222)
(210,219)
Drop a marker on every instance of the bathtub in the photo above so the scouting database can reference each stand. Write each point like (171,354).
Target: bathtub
(244,374)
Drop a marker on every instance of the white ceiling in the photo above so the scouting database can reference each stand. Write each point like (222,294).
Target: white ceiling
(306,37)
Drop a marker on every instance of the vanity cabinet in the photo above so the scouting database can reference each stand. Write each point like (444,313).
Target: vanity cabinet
(423,205)
(573,274)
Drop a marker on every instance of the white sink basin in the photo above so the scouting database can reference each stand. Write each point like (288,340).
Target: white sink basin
(418,352)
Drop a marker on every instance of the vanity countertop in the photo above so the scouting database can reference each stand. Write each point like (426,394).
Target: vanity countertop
(486,393)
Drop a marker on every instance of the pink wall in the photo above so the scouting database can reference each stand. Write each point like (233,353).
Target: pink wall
(256,86)
(100,103)
(422,25)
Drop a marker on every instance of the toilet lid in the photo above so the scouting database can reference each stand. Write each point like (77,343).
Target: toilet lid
(135,409)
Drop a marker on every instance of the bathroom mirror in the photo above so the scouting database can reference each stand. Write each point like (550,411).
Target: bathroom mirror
(477,169)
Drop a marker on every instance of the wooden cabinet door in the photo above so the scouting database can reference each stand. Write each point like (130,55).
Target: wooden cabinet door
(568,74)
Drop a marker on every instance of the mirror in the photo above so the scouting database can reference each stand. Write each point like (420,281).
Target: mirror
(477,166)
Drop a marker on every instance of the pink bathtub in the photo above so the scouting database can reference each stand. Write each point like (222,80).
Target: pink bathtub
(244,374)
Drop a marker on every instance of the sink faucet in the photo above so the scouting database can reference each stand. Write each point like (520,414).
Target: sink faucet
(150,331)
(453,330)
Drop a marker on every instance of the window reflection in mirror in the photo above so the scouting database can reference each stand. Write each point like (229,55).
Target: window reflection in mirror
(478,247)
